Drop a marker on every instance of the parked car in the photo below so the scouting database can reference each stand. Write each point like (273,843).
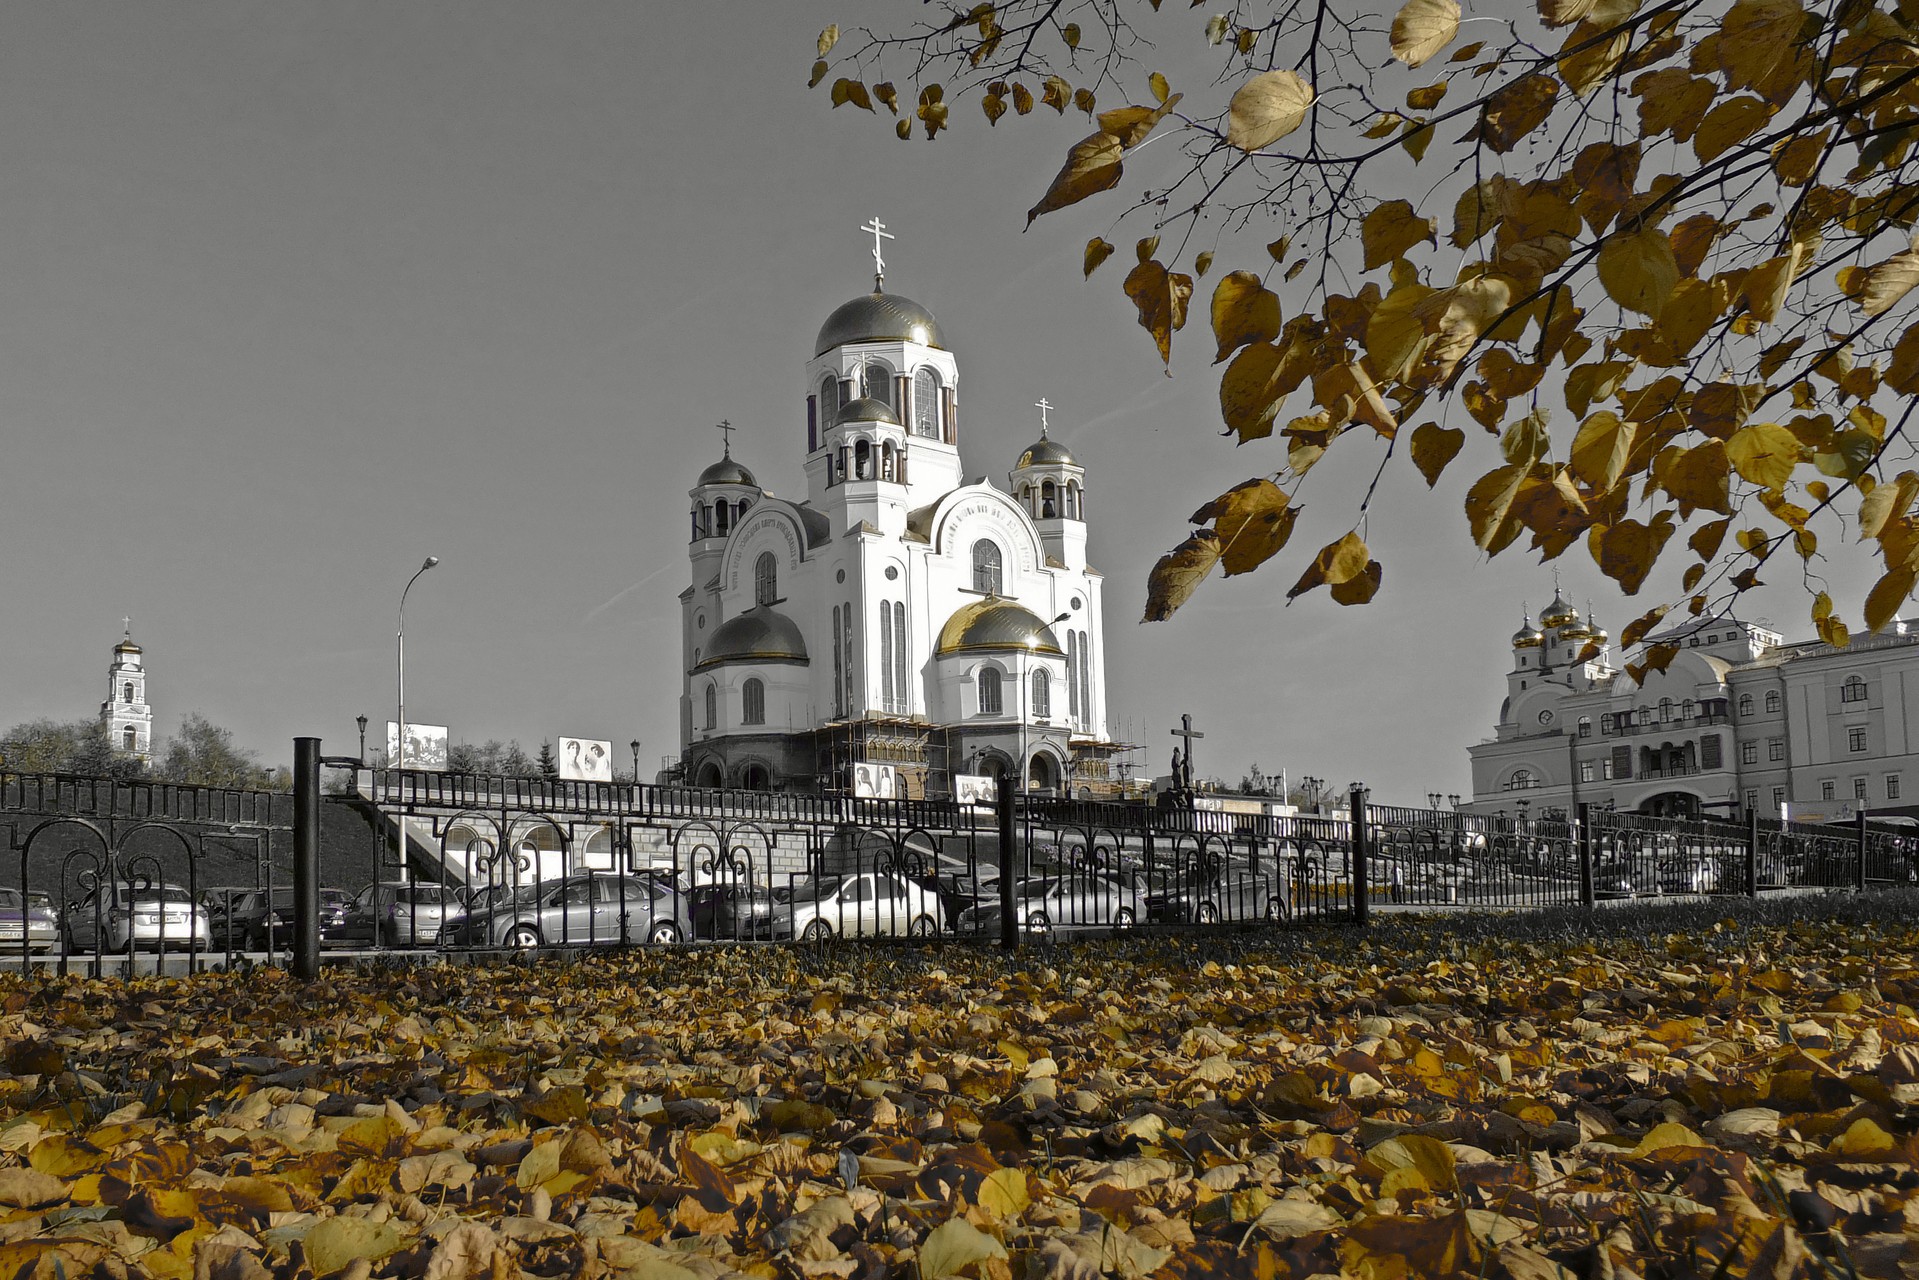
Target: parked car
(113,915)
(1617,876)
(41,899)
(865,904)
(396,915)
(576,910)
(1690,874)
(1096,900)
(22,918)
(252,919)
(723,911)
(1210,893)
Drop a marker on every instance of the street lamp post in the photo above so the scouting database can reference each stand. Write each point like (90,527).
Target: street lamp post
(400,644)
(635,744)
(361,721)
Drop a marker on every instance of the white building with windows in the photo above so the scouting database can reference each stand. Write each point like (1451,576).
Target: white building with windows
(901,612)
(1740,722)
(126,714)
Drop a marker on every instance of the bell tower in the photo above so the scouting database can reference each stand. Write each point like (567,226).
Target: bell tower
(127,715)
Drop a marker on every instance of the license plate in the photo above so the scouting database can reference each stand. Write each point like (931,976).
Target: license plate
(173,919)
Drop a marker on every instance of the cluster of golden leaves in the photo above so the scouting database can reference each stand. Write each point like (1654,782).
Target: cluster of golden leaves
(1687,221)
(1735,1099)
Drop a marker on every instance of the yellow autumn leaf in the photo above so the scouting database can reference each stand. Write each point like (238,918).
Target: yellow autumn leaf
(1700,478)
(1244,311)
(1338,561)
(1602,449)
(1097,251)
(1092,165)
(1433,446)
(953,1246)
(1727,125)
(1179,573)
(1422,28)
(1889,281)
(1888,595)
(1253,521)
(1390,229)
(1764,453)
(1267,108)
(1638,270)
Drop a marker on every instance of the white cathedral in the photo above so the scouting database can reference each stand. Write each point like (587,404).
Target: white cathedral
(901,614)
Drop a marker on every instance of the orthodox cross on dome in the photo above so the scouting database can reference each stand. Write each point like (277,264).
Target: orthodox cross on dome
(880,233)
(1183,767)
(726,429)
(126,624)
(1043,405)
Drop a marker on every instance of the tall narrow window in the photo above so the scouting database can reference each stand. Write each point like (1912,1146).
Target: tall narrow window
(126,692)
(131,738)
(989,699)
(1772,699)
(986,566)
(1042,696)
(926,403)
(846,638)
(753,702)
(829,401)
(839,685)
(1853,690)
(712,707)
(886,655)
(878,383)
(1072,674)
(863,460)
(766,578)
(899,657)
(1085,679)
(724,511)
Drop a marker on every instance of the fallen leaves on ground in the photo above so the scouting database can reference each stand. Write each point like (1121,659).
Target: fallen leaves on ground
(1725,1092)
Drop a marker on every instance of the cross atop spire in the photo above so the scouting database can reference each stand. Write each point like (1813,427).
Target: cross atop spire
(1043,405)
(127,625)
(726,428)
(880,233)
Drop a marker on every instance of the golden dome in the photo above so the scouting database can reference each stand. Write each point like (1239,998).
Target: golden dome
(994,623)
(1528,638)
(1558,613)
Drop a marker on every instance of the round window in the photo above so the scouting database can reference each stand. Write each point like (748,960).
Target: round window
(840,576)
(699,620)
(1546,717)
(892,573)
(1076,602)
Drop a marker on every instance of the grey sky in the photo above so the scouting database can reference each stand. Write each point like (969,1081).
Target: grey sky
(298,294)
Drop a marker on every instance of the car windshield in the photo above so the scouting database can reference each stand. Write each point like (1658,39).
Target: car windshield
(811,889)
(9,899)
(1034,888)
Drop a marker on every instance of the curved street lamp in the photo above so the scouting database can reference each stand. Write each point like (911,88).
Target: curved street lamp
(400,639)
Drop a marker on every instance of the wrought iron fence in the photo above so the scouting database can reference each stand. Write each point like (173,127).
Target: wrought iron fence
(159,879)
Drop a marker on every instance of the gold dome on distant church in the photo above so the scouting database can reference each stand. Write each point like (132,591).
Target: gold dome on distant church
(1559,613)
(997,623)
(1528,637)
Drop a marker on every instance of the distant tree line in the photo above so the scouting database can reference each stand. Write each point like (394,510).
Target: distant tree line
(201,753)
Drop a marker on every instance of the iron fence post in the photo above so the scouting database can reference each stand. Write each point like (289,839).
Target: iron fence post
(1752,854)
(306,859)
(1859,869)
(1587,898)
(1362,879)
(1008,917)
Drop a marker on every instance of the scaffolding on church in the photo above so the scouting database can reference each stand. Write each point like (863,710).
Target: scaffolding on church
(1096,773)
(917,749)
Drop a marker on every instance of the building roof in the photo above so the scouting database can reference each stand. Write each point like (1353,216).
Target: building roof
(727,471)
(996,623)
(879,317)
(1046,452)
(760,634)
(867,409)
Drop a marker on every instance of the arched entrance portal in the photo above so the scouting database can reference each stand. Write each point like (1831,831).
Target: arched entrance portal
(755,776)
(1042,773)
(1671,804)
(709,775)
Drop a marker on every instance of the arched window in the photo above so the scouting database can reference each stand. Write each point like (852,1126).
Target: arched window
(926,403)
(126,692)
(1042,696)
(1522,780)
(131,738)
(989,692)
(1048,502)
(724,512)
(863,460)
(1772,699)
(1853,690)
(877,383)
(712,707)
(766,578)
(1665,708)
(753,702)
(1745,704)
(986,567)
(1685,709)
(886,461)
(1072,502)
(829,400)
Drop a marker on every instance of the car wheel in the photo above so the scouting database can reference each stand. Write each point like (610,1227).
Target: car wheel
(1275,908)
(664,934)
(1039,923)
(1207,913)
(524,937)
(1123,918)
(923,927)
(816,931)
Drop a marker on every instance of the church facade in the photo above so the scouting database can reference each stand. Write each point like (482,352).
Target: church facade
(1740,722)
(901,613)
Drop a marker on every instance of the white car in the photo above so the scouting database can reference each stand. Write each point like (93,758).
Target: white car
(150,918)
(864,904)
